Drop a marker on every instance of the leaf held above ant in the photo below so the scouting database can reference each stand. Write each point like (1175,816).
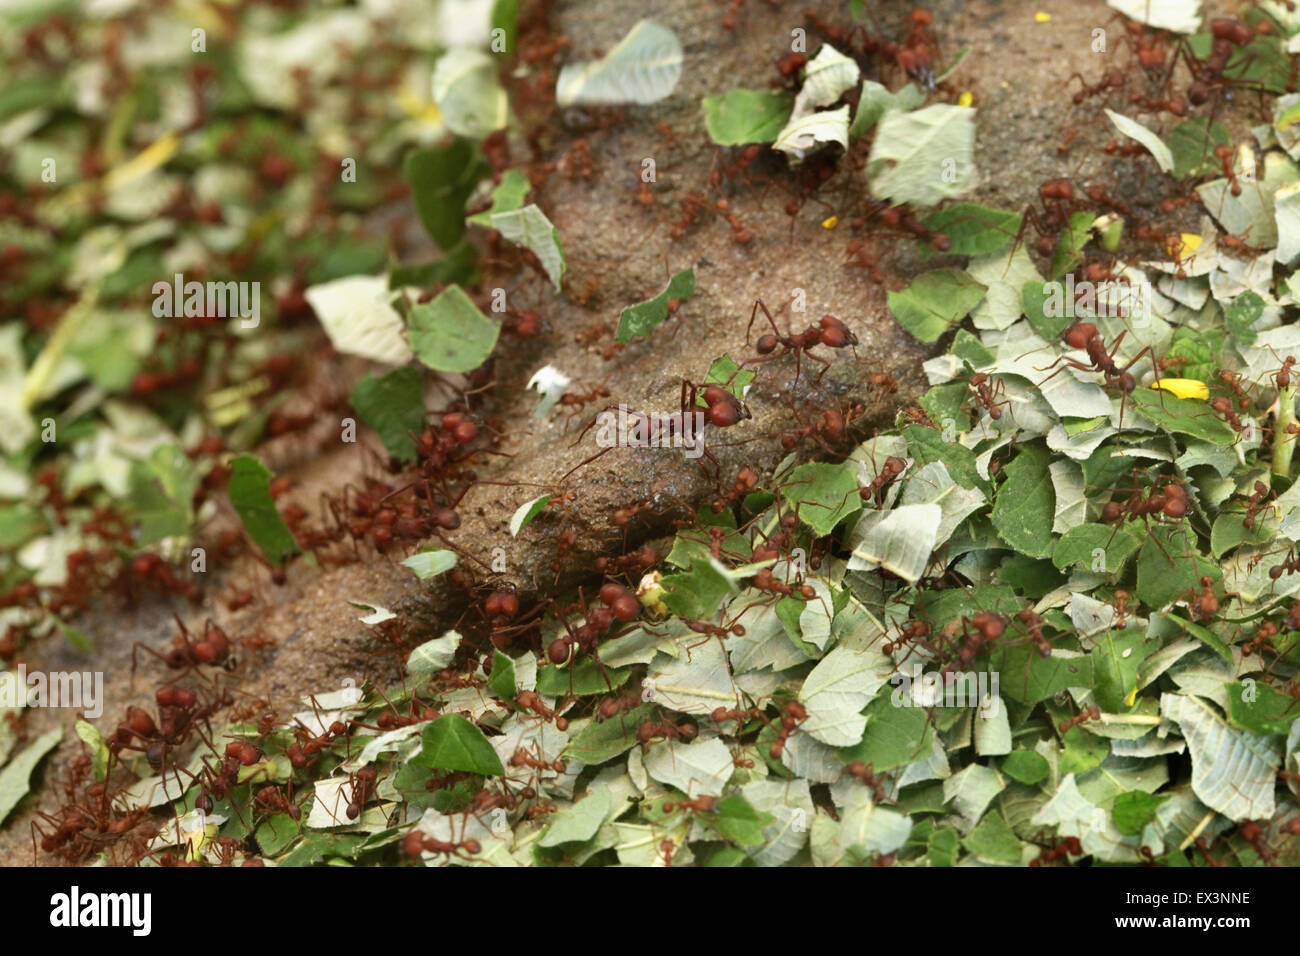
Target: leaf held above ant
(431,562)
(250,494)
(453,743)
(526,512)
(432,656)
(822,495)
(972,229)
(393,405)
(450,334)
(726,372)
(934,301)
(642,319)
(740,117)
(15,779)
(508,196)
(924,156)
(1182,416)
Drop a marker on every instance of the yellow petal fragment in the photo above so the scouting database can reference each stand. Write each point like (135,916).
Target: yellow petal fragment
(1184,388)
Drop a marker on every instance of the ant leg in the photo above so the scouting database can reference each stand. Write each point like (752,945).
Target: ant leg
(758,304)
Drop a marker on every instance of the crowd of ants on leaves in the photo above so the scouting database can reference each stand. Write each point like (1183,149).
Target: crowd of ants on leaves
(409,506)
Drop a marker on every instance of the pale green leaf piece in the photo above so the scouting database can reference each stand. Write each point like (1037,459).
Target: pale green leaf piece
(700,767)
(1250,214)
(1233,772)
(1068,810)
(971,789)
(826,78)
(932,484)
(837,691)
(357,315)
(531,229)
(817,614)
(740,116)
(790,803)
(765,644)
(899,540)
(15,779)
(643,68)
(468,93)
(1178,16)
(377,615)
(526,512)
(433,656)
(93,739)
(801,136)
(579,822)
(1071,496)
(1004,274)
(925,156)
(508,196)
(1134,130)
(992,728)
(450,333)
(695,680)
(431,562)
(864,830)
(1286,207)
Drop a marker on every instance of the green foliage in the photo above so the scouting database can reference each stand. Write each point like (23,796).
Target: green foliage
(250,495)
(393,405)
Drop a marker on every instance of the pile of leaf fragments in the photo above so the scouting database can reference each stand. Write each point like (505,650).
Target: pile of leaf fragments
(1087,522)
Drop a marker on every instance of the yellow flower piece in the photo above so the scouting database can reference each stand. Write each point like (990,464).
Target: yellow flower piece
(1188,243)
(1043,17)
(966,99)
(830,222)
(1184,388)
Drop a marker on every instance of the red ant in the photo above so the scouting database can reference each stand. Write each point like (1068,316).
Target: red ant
(889,472)
(652,729)
(986,394)
(701,804)
(863,771)
(1086,336)
(795,714)
(1034,626)
(830,332)
(213,649)
(577,400)
(272,800)
(1070,846)
(416,843)
(1170,502)
(1090,713)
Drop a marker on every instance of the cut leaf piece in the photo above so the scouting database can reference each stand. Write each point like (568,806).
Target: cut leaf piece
(1136,131)
(531,229)
(643,68)
(430,563)
(468,94)
(739,116)
(15,779)
(934,301)
(358,318)
(452,743)
(526,512)
(923,157)
(450,334)
(643,318)
(250,495)
(393,406)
